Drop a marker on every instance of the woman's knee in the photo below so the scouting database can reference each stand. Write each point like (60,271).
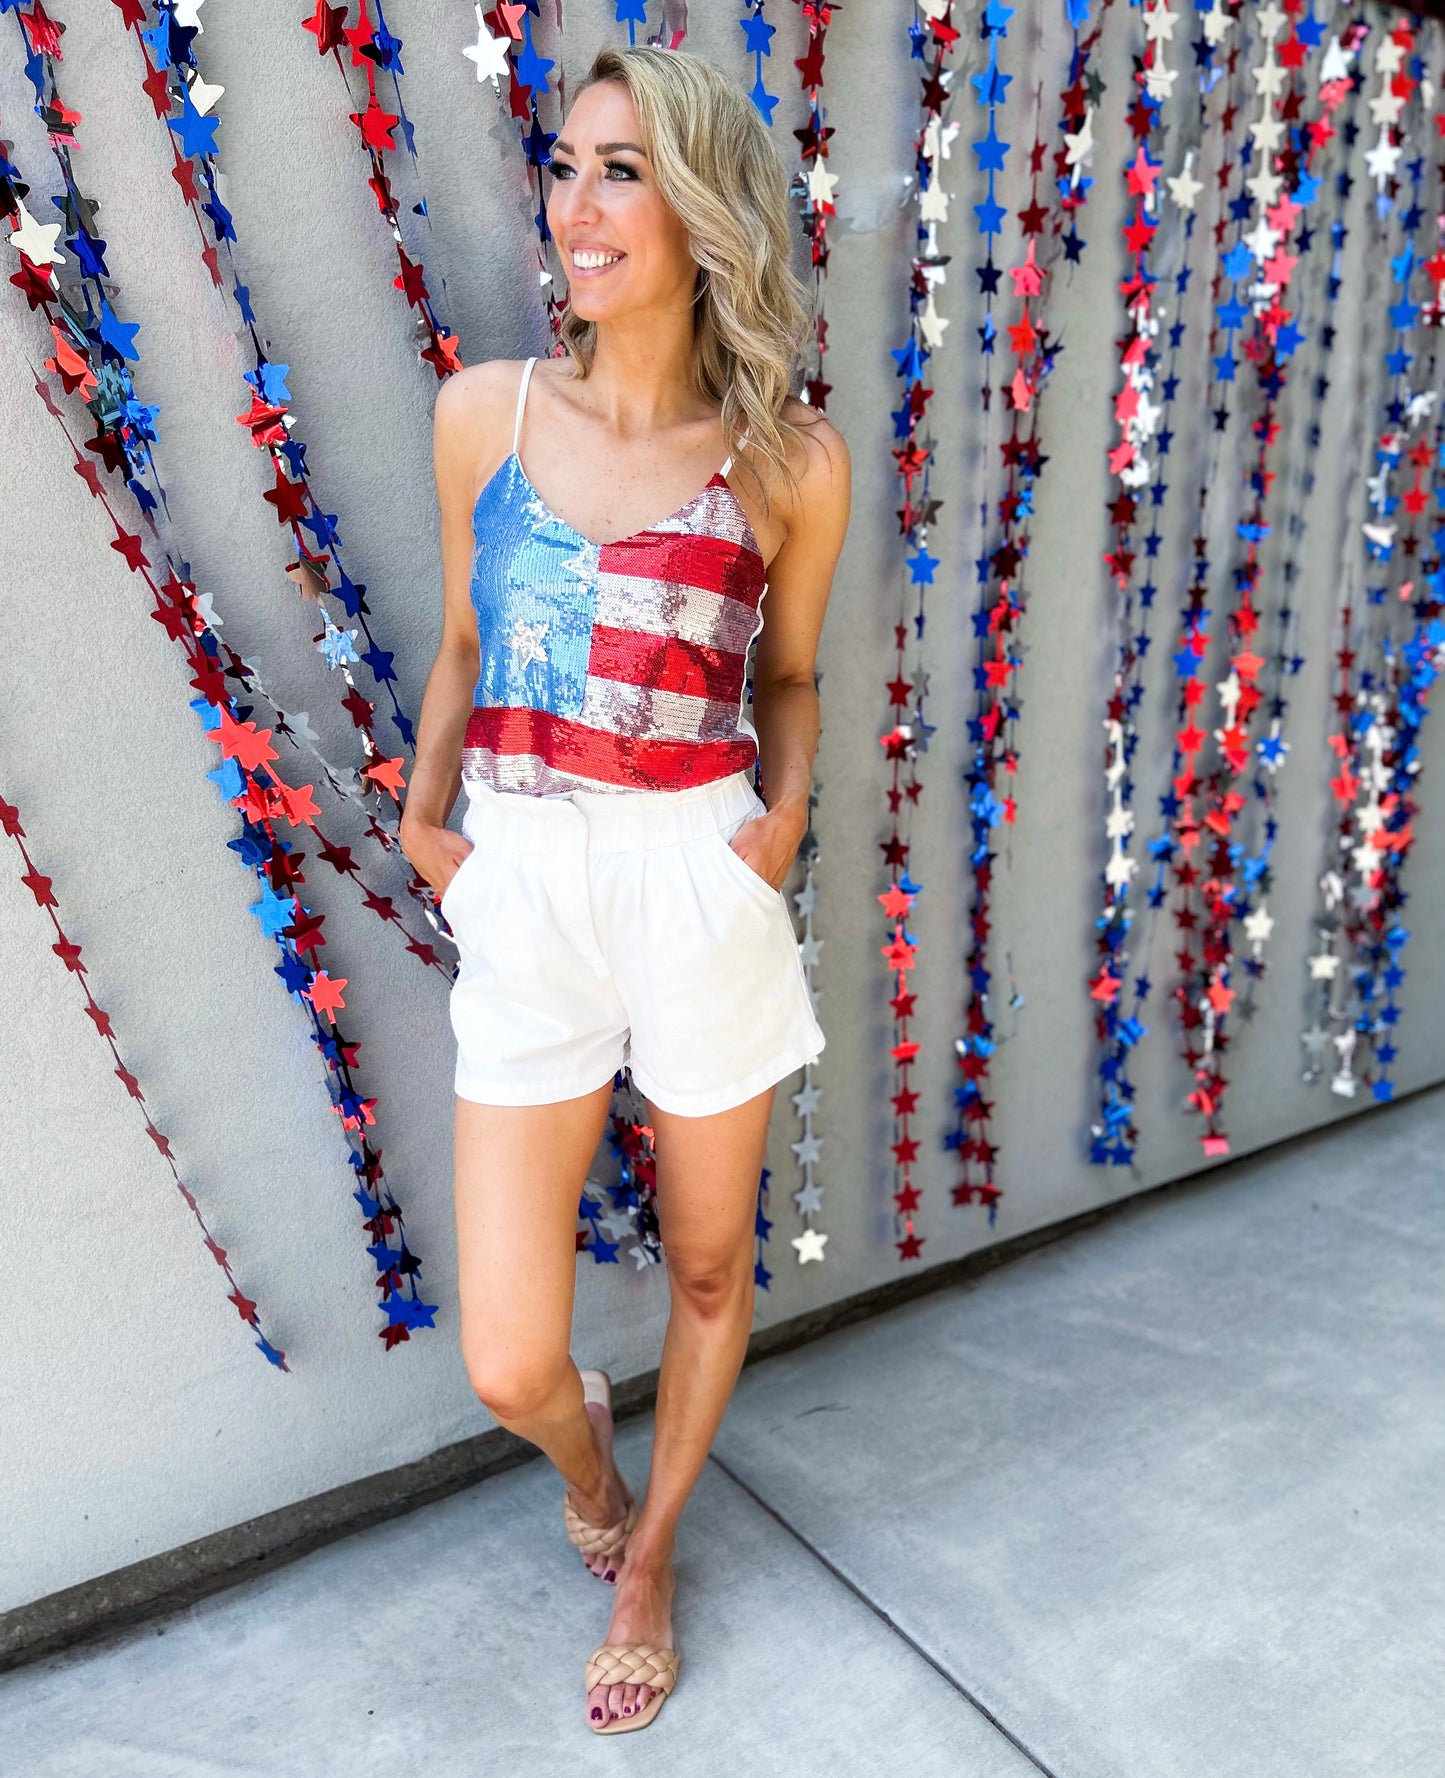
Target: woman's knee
(711,1286)
(509,1386)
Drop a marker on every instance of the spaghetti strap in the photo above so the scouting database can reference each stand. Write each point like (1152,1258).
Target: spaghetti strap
(731,454)
(521,398)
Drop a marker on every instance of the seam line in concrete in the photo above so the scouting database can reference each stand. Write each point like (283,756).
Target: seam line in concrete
(878,1612)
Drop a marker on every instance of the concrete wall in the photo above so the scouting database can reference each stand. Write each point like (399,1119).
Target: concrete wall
(136,1415)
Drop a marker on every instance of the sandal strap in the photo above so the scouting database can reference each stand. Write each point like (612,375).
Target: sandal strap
(632,1663)
(598,1540)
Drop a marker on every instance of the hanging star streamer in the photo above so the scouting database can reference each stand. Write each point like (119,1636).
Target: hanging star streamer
(903,743)
(758,43)
(1282,239)
(69,953)
(1392,651)
(1312,135)
(1184,827)
(247,778)
(998,616)
(1136,462)
(1113,1135)
(179,93)
(813,189)
(100,353)
(633,1195)
(91,356)
(1259,266)
(375,49)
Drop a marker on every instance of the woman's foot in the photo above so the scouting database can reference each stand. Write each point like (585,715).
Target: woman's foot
(642,1612)
(610,1505)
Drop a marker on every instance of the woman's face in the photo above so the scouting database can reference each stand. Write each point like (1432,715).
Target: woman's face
(604,205)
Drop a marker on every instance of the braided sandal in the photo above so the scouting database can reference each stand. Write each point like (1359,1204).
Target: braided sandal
(632,1663)
(600,1540)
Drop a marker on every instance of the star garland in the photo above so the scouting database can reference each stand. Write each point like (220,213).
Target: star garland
(1310,137)
(512,51)
(633,1206)
(904,741)
(1377,740)
(991,86)
(1184,827)
(1137,463)
(997,620)
(87,359)
(106,352)
(247,780)
(758,42)
(1213,799)
(174,79)
(762,1228)
(813,189)
(1113,1134)
(69,953)
(373,48)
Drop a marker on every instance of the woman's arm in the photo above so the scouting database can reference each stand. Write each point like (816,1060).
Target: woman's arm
(785,699)
(459,426)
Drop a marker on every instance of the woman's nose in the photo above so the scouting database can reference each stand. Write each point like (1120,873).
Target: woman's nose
(579,194)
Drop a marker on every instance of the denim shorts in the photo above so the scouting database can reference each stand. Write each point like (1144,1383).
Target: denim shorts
(599,930)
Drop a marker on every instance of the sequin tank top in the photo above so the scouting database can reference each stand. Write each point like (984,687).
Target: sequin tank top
(613,666)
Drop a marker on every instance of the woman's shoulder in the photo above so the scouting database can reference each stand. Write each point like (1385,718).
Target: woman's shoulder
(818,457)
(474,395)
(821,439)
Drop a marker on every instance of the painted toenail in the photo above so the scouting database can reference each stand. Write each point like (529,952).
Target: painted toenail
(596,1711)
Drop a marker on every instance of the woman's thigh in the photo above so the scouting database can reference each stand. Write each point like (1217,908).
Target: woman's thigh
(520,1171)
(708,1171)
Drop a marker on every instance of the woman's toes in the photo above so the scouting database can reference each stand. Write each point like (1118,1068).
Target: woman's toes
(644,1693)
(597,1704)
(614,1698)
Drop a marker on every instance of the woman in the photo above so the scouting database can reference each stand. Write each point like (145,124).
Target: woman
(617,898)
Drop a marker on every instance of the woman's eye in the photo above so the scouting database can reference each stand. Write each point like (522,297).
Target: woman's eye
(561,170)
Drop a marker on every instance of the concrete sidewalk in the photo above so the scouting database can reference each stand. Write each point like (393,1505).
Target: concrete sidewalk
(1161,1500)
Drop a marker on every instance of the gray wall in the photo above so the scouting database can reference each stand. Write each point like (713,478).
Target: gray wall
(136,1414)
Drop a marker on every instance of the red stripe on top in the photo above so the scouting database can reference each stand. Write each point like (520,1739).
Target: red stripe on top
(611,759)
(666,663)
(689,558)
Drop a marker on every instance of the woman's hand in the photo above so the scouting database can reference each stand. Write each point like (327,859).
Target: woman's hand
(769,843)
(436,852)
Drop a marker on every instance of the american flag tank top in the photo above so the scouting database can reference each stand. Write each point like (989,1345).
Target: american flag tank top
(614,666)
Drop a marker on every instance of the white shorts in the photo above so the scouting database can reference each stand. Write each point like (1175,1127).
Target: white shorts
(603,929)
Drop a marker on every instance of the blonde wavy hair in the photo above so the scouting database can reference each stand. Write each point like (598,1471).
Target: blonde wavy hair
(715,163)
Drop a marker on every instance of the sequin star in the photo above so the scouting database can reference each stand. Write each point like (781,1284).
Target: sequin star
(526,642)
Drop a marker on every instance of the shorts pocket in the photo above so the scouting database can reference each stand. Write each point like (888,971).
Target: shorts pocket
(457,875)
(739,867)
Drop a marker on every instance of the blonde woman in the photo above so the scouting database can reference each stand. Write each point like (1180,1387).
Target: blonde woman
(617,898)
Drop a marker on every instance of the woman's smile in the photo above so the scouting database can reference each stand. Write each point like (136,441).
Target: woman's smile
(594,262)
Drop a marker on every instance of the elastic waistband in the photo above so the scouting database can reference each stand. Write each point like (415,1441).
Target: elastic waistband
(612,821)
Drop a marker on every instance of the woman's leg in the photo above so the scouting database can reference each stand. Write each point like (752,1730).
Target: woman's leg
(520,1170)
(707,1193)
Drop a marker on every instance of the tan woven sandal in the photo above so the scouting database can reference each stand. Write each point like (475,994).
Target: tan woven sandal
(600,1540)
(632,1663)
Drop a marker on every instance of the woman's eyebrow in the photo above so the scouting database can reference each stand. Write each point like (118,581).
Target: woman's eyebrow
(602,147)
